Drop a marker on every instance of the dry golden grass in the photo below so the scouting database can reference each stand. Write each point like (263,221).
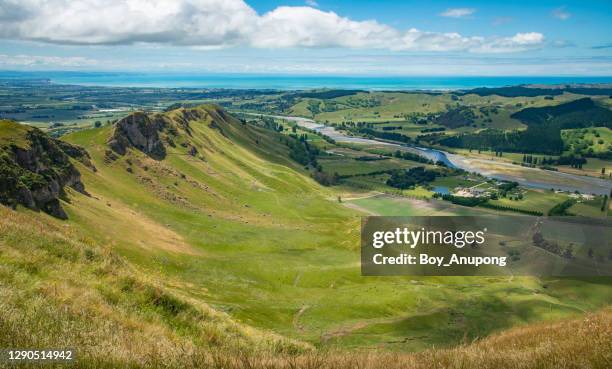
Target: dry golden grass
(578,343)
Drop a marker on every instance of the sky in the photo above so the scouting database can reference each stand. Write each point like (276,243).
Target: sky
(311,37)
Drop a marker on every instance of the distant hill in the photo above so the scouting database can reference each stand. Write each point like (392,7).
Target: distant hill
(579,113)
(543,133)
(525,91)
(327,94)
(455,118)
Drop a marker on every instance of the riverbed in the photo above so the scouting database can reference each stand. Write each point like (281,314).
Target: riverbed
(529,177)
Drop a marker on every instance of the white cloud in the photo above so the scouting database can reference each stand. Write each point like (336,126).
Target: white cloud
(212,24)
(9,61)
(520,41)
(308,27)
(561,13)
(458,12)
(188,22)
(312,3)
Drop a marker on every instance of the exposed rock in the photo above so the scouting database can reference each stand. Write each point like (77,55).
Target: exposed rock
(140,131)
(35,168)
(77,153)
(150,133)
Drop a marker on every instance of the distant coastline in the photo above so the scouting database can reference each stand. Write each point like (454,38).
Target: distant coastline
(294,82)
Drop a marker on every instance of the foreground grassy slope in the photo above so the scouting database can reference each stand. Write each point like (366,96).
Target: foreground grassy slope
(58,285)
(579,343)
(239,231)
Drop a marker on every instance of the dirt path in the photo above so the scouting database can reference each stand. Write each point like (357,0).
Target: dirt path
(348,329)
(359,208)
(296,318)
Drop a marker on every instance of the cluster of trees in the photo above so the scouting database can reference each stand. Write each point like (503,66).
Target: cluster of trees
(326,179)
(530,159)
(551,246)
(304,153)
(459,200)
(371,158)
(301,151)
(428,137)
(435,129)
(404,179)
(582,142)
(268,123)
(581,113)
(374,173)
(509,208)
(561,208)
(546,162)
(544,139)
(573,161)
(394,136)
(506,187)
(456,117)
(405,155)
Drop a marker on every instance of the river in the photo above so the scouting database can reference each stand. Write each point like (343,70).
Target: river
(529,177)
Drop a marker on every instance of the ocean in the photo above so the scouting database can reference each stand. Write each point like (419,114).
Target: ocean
(291,82)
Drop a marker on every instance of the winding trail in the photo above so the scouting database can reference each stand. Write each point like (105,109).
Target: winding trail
(296,318)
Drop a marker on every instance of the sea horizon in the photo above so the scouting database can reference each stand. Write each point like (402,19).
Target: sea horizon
(293,82)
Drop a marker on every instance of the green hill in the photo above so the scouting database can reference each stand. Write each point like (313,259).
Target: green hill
(543,133)
(579,113)
(199,235)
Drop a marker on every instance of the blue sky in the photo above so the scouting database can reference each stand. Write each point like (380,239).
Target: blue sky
(309,37)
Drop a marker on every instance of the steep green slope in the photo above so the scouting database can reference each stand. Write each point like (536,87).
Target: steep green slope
(236,222)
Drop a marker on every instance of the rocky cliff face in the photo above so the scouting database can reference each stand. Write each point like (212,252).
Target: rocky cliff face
(140,131)
(153,134)
(35,168)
